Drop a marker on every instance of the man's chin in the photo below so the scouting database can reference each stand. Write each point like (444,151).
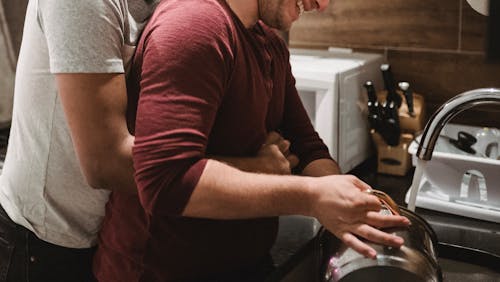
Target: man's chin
(284,26)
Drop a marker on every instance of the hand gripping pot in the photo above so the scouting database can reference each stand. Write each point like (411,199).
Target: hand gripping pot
(415,261)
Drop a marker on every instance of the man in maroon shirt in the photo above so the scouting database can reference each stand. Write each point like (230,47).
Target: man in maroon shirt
(211,78)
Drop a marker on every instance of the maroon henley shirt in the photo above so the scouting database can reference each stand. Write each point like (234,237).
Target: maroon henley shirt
(203,84)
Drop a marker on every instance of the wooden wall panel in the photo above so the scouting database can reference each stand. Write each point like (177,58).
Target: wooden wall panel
(440,77)
(408,23)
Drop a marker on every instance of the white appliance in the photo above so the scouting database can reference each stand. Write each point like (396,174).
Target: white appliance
(330,84)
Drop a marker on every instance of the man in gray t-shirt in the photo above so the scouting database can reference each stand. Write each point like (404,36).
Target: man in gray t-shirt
(68,135)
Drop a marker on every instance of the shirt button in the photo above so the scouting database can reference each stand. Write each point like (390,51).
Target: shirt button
(32,258)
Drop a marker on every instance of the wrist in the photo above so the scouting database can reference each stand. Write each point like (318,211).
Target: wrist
(307,196)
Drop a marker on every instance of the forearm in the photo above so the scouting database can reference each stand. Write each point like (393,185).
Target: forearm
(244,164)
(321,167)
(336,201)
(274,165)
(227,193)
(116,169)
(224,192)
(95,106)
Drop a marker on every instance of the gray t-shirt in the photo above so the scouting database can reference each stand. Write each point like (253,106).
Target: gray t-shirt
(42,186)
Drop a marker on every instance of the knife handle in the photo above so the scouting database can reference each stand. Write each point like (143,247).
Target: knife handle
(370,91)
(392,128)
(375,115)
(409,101)
(405,87)
(389,84)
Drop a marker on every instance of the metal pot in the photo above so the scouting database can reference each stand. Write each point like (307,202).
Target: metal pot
(415,261)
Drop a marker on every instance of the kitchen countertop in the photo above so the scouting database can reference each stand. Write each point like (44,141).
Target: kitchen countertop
(294,247)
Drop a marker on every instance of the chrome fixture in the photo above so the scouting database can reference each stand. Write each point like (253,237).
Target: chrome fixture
(450,109)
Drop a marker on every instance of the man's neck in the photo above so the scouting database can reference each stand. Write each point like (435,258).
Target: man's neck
(246,10)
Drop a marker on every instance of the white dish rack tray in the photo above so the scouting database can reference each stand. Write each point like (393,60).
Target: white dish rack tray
(457,182)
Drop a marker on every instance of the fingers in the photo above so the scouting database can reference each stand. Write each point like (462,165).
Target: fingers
(361,184)
(382,221)
(273,138)
(356,244)
(293,160)
(367,202)
(371,234)
(284,146)
(378,236)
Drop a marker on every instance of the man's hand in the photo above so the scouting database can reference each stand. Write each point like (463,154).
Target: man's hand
(342,207)
(274,157)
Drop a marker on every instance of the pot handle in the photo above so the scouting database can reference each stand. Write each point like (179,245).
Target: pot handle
(386,201)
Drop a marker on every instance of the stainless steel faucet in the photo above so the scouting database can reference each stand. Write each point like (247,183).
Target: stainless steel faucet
(450,109)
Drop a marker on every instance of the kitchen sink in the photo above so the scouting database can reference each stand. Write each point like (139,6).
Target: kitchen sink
(457,264)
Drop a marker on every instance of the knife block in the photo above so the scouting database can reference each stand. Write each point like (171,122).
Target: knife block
(408,124)
(394,160)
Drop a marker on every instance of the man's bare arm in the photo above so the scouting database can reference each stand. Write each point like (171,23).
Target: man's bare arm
(337,201)
(321,167)
(95,108)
